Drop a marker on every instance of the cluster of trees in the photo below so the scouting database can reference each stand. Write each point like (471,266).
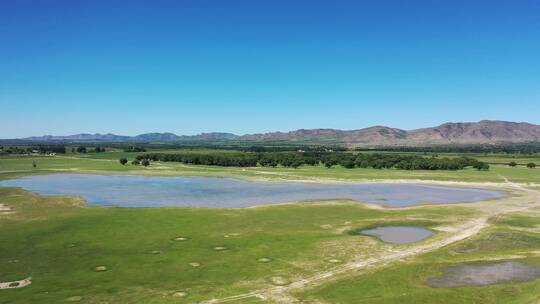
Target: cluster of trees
(530,165)
(225,159)
(295,160)
(136,162)
(405,162)
(84,149)
(257,148)
(79,149)
(41,149)
(134,149)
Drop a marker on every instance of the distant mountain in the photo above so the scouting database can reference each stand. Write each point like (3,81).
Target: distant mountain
(483,132)
(213,136)
(147,137)
(155,137)
(83,137)
(371,135)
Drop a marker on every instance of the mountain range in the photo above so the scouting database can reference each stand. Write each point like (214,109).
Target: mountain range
(482,132)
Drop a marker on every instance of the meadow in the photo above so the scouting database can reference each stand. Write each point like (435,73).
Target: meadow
(108,162)
(58,243)
(75,253)
(406,283)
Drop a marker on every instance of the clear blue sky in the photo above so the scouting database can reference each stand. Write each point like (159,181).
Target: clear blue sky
(191,66)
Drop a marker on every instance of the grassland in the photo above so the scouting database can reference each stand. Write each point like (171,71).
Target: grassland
(406,282)
(59,242)
(108,162)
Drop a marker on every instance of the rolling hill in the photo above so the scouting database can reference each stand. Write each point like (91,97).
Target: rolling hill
(482,132)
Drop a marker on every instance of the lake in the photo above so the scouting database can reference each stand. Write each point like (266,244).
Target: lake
(213,192)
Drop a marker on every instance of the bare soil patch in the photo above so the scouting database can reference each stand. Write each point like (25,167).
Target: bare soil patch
(180,294)
(101,268)
(74,299)
(180,238)
(16,284)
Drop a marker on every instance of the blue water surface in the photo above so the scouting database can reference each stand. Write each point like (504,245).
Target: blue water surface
(213,192)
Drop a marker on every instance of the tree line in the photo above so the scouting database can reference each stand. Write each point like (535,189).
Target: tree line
(84,149)
(41,149)
(530,165)
(297,159)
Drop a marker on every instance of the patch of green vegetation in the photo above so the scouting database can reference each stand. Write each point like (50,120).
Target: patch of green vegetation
(518,220)
(62,246)
(17,166)
(60,243)
(406,284)
(420,223)
(109,162)
(499,241)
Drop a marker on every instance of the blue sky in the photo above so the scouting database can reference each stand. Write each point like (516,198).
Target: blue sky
(130,67)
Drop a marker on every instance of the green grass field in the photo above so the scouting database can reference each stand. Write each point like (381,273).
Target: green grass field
(59,242)
(406,283)
(108,162)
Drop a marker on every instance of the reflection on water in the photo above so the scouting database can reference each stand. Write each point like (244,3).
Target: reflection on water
(154,191)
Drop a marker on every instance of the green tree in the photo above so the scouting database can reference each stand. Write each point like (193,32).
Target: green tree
(34,165)
(296,163)
(531,165)
(348,163)
(123,160)
(145,162)
(481,166)
(81,149)
(512,164)
(330,163)
(136,162)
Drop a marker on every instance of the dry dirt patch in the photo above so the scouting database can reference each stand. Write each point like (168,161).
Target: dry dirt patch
(16,284)
(5,209)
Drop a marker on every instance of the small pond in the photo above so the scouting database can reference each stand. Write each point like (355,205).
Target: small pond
(399,234)
(212,192)
(485,274)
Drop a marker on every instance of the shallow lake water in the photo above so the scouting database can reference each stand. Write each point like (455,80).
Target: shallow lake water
(487,274)
(399,234)
(212,192)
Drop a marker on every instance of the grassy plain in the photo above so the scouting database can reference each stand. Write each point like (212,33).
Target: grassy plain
(406,282)
(108,162)
(58,241)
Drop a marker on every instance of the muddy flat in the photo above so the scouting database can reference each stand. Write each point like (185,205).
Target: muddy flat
(487,274)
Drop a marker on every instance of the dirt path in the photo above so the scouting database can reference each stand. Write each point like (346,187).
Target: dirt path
(16,284)
(5,209)
(528,198)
